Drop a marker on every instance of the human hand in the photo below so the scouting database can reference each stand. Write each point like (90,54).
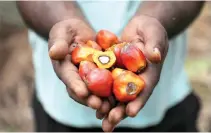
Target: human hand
(63,37)
(150,37)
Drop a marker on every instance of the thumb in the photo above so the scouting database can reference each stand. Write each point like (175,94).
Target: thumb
(153,52)
(60,38)
(58,50)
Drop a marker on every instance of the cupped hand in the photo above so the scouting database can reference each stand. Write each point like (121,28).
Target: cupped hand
(63,37)
(151,38)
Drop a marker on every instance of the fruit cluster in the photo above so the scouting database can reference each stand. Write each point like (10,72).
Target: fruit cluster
(109,66)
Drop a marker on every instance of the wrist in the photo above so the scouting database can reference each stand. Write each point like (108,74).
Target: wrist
(72,22)
(145,20)
(77,29)
(147,17)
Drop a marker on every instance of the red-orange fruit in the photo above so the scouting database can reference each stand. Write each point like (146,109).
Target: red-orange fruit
(82,53)
(99,81)
(93,44)
(117,51)
(127,86)
(85,67)
(106,39)
(133,58)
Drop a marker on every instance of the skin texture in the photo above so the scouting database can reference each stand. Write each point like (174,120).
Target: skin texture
(150,29)
(62,28)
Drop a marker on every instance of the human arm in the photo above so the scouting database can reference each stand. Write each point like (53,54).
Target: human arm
(62,23)
(175,16)
(41,16)
(150,29)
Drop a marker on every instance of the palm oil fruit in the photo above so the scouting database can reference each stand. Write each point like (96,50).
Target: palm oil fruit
(104,59)
(117,50)
(99,81)
(93,44)
(116,72)
(81,53)
(127,86)
(133,58)
(85,67)
(106,39)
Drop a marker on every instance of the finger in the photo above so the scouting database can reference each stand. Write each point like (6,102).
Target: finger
(155,50)
(68,74)
(99,115)
(151,78)
(117,114)
(129,33)
(60,38)
(112,101)
(105,107)
(107,126)
(71,94)
(103,110)
(155,41)
(59,49)
(94,102)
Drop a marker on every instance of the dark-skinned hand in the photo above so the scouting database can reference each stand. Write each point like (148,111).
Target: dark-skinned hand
(150,37)
(63,37)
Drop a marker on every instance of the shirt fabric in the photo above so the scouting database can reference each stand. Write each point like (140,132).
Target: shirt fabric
(172,88)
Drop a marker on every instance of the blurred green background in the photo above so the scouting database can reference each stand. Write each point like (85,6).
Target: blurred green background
(16,69)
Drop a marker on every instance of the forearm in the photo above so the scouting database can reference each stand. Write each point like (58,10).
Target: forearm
(42,15)
(175,16)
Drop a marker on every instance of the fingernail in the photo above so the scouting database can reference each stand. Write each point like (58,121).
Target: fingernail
(52,52)
(156,55)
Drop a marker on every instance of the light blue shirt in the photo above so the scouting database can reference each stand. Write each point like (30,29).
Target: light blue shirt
(111,15)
